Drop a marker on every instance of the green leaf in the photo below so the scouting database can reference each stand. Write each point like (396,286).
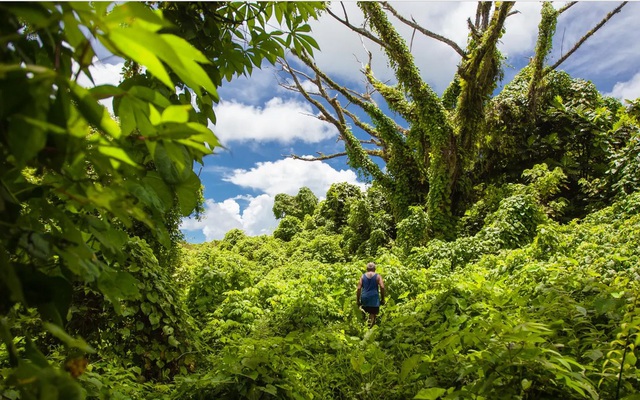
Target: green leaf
(430,394)
(357,362)
(151,96)
(126,114)
(630,359)
(105,91)
(188,194)
(173,162)
(408,365)
(154,182)
(118,285)
(95,113)
(179,114)
(67,339)
(184,49)
(26,137)
(130,11)
(172,341)
(117,153)
(154,318)
(32,353)
(130,46)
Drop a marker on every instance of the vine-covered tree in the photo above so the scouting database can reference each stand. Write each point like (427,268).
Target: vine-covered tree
(434,162)
(303,203)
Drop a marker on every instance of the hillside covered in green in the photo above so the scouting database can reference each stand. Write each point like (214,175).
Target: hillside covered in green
(506,225)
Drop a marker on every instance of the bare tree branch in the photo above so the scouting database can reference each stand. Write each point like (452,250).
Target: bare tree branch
(356,29)
(566,7)
(585,37)
(329,117)
(341,89)
(424,31)
(321,157)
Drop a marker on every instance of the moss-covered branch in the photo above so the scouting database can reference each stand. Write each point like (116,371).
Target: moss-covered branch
(546,30)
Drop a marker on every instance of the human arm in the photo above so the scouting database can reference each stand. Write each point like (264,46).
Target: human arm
(382,290)
(359,291)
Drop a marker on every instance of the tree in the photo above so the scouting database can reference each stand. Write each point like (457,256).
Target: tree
(304,203)
(288,227)
(75,182)
(334,210)
(430,163)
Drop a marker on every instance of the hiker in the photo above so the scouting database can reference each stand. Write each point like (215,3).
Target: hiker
(368,296)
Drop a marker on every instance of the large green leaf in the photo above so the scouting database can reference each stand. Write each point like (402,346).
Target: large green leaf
(67,339)
(95,113)
(430,393)
(188,194)
(173,162)
(137,51)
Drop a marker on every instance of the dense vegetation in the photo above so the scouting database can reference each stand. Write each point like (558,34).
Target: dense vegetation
(525,287)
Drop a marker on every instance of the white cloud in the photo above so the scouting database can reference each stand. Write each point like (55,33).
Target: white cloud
(289,175)
(102,74)
(279,120)
(220,217)
(521,30)
(257,218)
(271,178)
(253,89)
(629,90)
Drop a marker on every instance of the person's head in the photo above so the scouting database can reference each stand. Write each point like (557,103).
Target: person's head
(371,267)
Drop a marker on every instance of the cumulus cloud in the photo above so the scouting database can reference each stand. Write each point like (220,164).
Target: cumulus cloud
(220,217)
(629,90)
(521,30)
(289,175)
(102,74)
(271,178)
(281,120)
(253,89)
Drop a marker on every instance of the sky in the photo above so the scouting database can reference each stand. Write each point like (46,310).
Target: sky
(261,124)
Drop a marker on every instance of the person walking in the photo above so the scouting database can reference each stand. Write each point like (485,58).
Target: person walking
(370,293)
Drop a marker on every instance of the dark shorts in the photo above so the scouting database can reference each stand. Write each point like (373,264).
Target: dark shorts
(371,310)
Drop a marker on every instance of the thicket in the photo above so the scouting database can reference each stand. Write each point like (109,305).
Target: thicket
(526,307)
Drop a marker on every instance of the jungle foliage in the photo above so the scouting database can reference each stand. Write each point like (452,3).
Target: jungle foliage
(100,298)
(90,202)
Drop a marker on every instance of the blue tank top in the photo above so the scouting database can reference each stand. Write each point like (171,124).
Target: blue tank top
(369,296)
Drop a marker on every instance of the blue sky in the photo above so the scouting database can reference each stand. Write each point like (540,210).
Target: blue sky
(261,124)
